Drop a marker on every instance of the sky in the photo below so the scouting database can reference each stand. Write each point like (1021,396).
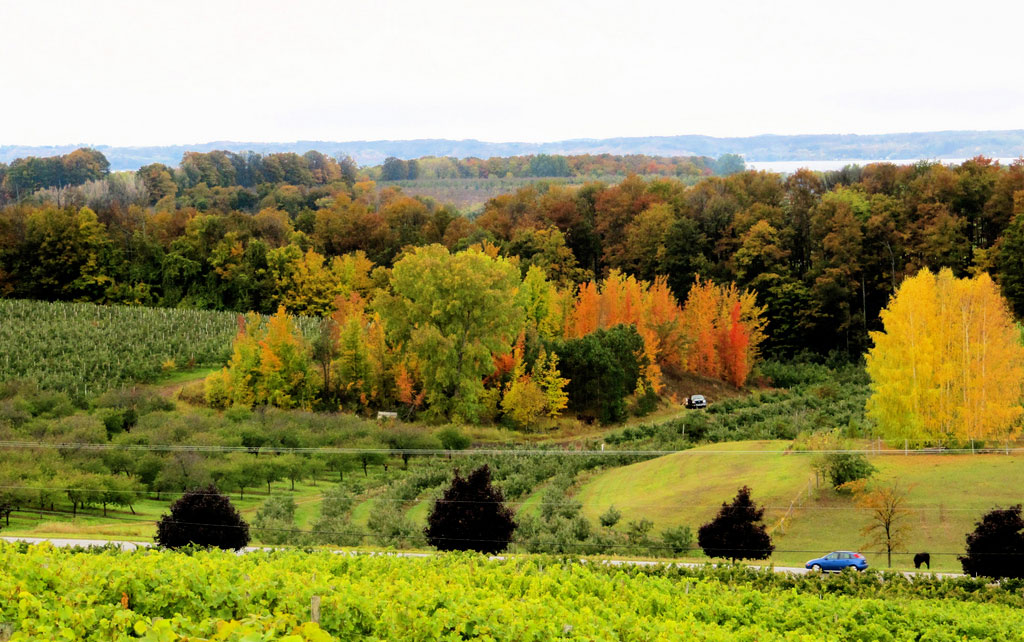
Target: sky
(149,73)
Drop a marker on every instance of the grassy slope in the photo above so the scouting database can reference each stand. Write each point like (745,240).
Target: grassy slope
(946,495)
(687,487)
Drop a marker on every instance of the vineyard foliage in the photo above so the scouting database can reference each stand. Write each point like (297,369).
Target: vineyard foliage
(162,596)
(84,349)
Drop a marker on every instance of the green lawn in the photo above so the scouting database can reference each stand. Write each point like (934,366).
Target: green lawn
(418,513)
(946,495)
(687,488)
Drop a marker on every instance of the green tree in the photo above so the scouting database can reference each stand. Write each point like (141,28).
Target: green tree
(275,520)
(1010,258)
(454,313)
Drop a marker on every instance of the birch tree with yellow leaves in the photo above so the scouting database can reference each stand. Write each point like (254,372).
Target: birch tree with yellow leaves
(948,366)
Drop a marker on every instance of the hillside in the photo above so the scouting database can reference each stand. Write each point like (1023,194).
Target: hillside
(943,144)
(687,488)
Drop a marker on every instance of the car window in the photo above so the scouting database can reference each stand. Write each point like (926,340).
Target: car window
(844,556)
(832,556)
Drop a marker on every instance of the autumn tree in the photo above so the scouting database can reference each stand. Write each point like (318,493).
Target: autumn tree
(886,505)
(270,364)
(524,401)
(551,382)
(454,313)
(948,365)
(726,327)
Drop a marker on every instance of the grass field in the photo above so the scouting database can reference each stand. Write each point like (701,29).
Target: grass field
(946,495)
(685,487)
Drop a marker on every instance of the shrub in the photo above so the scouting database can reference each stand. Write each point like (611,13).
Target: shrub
(202,517)
(333,526)
(390,525)
(471,516)
(452,438)
(842,468)
(996,546)
(638,532)
(677,539)
(611,517)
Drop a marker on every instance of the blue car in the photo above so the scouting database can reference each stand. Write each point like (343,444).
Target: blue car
(837,561)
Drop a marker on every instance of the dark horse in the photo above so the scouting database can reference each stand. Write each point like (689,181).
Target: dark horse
(923,558)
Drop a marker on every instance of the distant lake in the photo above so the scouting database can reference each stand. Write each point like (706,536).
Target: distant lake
(788,167)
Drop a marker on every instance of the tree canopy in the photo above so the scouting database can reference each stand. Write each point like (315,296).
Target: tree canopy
(736,532)
(471,516)
(455,312)
(949,365)
(202,517)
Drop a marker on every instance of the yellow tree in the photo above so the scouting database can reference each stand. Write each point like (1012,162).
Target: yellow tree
(270,364)
(948,365)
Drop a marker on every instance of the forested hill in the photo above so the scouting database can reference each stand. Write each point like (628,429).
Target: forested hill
(946,144)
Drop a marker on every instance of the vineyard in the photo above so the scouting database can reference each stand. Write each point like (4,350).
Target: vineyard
(161,596)
(83,349)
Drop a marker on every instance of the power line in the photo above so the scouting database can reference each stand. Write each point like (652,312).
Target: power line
(915,508)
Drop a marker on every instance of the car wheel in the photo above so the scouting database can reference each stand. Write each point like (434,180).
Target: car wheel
(816,568)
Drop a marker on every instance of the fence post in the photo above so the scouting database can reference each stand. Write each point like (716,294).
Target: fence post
(314,609)
(906,446)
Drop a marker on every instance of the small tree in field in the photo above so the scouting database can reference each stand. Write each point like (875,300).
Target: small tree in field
(471,516)
(736,532)
(202,517)
(996,546)
(886,506)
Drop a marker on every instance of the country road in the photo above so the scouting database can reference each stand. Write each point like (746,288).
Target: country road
(131,546)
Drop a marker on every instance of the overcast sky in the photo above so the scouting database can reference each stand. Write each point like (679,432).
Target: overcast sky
(141,72)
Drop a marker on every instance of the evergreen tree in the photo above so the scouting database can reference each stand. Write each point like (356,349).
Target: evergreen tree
(736,533)
(471,516)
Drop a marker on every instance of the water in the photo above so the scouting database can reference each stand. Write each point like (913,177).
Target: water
(788,167)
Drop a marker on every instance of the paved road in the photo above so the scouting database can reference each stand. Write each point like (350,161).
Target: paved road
(131,546)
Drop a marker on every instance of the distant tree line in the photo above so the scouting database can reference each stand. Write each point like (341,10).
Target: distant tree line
(554,166)
(26,175)
(823,252)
